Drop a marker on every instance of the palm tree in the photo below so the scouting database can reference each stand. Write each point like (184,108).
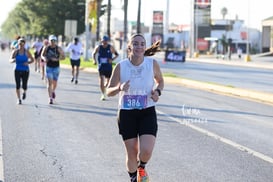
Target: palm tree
(98,19)
(109,7)
(224,12)
(125,20)
(138,17)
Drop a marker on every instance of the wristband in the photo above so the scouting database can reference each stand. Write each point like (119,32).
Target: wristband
(159,91)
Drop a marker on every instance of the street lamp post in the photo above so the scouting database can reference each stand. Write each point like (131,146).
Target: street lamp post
(247,57)
(167,17)
(196,19)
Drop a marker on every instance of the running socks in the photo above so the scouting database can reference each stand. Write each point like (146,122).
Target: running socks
(133,176)
(142,164)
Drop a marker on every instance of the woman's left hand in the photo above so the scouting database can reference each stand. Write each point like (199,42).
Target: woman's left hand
(155,96)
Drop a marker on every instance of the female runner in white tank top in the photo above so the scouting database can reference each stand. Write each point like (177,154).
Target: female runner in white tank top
(139,82)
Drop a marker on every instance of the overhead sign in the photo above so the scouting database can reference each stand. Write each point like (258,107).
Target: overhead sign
(157,30)
(202,44)
(203,3)
(158,17)
(70,28)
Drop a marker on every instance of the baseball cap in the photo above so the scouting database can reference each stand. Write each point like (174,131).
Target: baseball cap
(52,37)
(105,38)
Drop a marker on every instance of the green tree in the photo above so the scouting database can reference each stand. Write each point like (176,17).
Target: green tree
(12,25)
(41,18)
(224,12)
(224,43)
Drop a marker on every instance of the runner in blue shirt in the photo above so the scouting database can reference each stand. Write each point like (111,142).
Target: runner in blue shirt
(20,56)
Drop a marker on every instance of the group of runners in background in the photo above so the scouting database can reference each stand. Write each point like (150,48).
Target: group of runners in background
(137,80)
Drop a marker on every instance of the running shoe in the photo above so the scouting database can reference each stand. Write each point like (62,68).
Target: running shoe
(76,81)
(24,96)
(102,97)
(72,80)
(134,179)
(142,175)
(53,95)
(50,101)
(19,102)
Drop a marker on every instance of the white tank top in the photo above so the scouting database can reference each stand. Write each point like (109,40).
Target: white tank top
(141,84)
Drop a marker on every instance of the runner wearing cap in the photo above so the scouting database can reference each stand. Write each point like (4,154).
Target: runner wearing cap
(104,60)
(52,54)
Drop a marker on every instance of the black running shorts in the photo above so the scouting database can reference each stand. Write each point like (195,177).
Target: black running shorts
(136,122)
(75,62)
(36,54)
(106,73)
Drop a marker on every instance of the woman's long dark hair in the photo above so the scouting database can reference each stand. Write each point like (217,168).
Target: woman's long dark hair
(150,51)
(155,47)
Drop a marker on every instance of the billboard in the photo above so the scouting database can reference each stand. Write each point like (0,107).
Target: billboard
(202,9)
(202,24)
(157,29)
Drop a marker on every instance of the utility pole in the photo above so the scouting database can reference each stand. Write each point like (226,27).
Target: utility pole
(86,31)
(247,57)
(167,18)
(98,19)
(125,28)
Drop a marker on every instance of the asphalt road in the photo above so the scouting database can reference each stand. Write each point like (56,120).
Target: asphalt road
(255,75)
(202,136)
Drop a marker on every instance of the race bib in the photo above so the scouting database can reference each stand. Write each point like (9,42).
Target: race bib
(103,60)
(134,101)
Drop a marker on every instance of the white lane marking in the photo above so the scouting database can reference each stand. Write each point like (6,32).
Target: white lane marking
(222,139)
(1,154)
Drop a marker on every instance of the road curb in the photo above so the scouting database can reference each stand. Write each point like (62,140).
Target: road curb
(249,94)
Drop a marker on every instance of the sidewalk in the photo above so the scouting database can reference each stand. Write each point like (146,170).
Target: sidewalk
(256,60)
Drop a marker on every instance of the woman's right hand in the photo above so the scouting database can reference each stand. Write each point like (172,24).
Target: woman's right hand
(125,86)
(12,60)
